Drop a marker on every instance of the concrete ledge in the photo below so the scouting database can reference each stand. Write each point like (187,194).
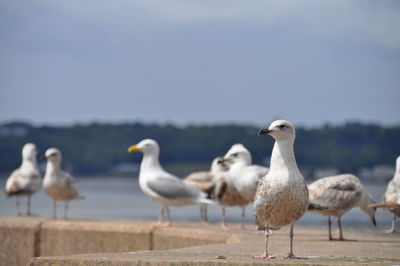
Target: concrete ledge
(18,240)
(58,238)
(26,237)
(172,238)
(108,241)
(366,247)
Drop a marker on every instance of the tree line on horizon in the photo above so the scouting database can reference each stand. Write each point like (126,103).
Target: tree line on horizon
(94,148)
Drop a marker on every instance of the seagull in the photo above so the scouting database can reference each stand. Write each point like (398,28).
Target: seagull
(160,185)
(58,184)
(391,198)
(203,181)
(224,191)
(282,195)
(336,195)
(25,180)
(243,175)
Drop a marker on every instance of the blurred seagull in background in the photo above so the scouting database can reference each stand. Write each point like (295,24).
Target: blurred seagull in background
(224,190)
(243,175)
(391,198)
(25,180)
(336,195)
(160,185)
(282,196)
(58,184)
(203,181)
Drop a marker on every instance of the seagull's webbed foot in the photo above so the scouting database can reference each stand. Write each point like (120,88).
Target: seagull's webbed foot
(158,223)
(168,224)
(390,231)
(341,239)
(265,256)
(292,256)
(204,222)
(224,226)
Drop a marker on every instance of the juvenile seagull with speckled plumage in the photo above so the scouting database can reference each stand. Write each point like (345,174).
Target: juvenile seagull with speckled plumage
(59,185)
(282,195)
(336,195)
(391,198)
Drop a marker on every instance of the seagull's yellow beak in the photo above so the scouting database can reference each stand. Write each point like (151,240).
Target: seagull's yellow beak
(133,148)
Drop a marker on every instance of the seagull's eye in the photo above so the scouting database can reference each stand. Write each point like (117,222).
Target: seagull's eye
(235,154)
(281,126)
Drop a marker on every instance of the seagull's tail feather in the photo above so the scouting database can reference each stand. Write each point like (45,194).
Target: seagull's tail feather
(385,205)
(210,192)
(312,206)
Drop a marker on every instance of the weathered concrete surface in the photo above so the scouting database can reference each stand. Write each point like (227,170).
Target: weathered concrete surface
(366,247)
(22,238)
(18,240)
(172,238)
(58,238)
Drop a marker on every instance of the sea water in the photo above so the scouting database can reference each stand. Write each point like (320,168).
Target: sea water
(121,197)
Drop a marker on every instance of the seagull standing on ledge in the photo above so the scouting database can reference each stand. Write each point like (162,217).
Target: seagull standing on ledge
(58,184)
(160,185)
(244,175)
(336,195)
(282,196)
(203,181)
(391,199)
(225,192)
(25,180)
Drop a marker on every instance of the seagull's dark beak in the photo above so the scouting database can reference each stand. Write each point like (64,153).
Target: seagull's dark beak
(263,131)
(373,220)
(42,157)
(223,160)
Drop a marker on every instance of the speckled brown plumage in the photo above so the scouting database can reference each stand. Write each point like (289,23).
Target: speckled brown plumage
(277,205)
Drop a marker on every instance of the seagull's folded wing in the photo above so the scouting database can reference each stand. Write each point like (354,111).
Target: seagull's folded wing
(335,195)
(172,188)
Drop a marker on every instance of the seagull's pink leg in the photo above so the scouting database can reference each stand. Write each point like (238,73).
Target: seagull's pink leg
(242,227)
(265,255)
(224,226)
(291,255)
(393,229)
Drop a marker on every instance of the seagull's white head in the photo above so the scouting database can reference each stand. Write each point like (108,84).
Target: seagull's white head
(238,153)
(29,152)
(219,165)
(398,164)
(146,146)
(279,130)
(53,155)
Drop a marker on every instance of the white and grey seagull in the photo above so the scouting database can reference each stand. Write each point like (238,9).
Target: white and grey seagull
(25,180)
(282,196)
(161,186)
(225,192)
(243,175)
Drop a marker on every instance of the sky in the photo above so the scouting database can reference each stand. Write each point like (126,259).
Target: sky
(200,61)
